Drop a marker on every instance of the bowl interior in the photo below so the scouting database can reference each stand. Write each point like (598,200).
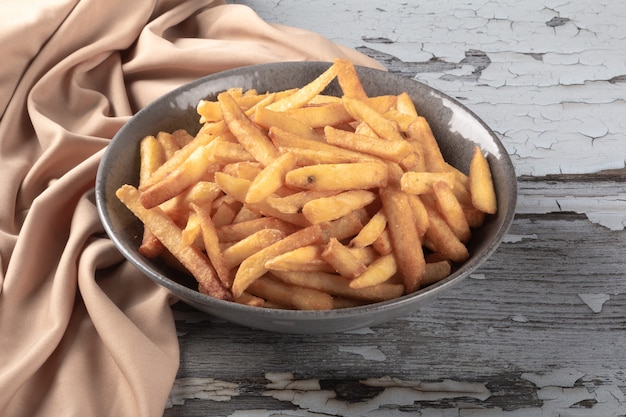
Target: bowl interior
(457,131)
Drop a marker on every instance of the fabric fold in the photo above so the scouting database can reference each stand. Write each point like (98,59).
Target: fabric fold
(82,332)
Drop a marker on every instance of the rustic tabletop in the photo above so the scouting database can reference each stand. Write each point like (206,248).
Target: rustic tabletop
(540,329)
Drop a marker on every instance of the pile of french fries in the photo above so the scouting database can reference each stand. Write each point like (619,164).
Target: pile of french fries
(300,200)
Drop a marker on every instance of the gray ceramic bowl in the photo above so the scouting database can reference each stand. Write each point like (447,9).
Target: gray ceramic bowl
(455,127)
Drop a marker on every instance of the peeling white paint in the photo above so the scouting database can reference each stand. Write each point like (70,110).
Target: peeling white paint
(606,211)
(478,276)
(564,377)
(519,318)
(512,238)
(396,393)
(371,353)
(201,388)
(595,301)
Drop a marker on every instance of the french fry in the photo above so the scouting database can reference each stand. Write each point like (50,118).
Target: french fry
(306,258)
(419,130)
(192,230)
(267,119)
(451,211)
(443,238)
(331,208)
(395,151)
(348,79)
(253,267)
(330,114)
(362,111)
(284,139)
(196,167)
(170,235)
(225,152)
(382,244)
(305,94)
(436,271)
(335,177)
(251,137)
(370,231)
(378,272)
(293,203)
(406,243)
(168,143)
(294,297)
(342,259)
(338,286)
(270,179)
(405,105)
(247,246)
(481,184)
(152,156)
(211,244)
(238,231)
(420,214)
(422,182)
(202,139)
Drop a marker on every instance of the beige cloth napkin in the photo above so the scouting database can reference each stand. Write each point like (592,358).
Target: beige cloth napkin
(82,333)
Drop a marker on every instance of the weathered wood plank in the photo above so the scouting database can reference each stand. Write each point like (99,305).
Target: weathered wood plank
(520,318)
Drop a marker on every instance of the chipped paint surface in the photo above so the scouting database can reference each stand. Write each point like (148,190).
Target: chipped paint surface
(540,73)
(371,353)
(595,301)
(563,391)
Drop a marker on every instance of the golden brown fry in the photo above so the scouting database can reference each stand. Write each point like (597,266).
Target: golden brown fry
(152,156)
(419,130)
(170,235)
(335,177)
(306,258)
(395,151)
(420,214)
(251,137)
(443,238)
(290,296)
(451,211)
(211,244)
(349,80)
(362,111)
(168,143)
(342,259)
(267,119)
(245,247)
(284,139)
(436,271)
(305,94)
(378,272)
(238,231)
(196,167)
(481,184)
(253,267)
(270,179)
(405,105)
(371,231)
(422,182)
(330,114)
(406,243)
(331,208)
(293,203)
(238,188)
(339,286)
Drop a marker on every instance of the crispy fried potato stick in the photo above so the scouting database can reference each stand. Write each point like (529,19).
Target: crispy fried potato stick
(170,235)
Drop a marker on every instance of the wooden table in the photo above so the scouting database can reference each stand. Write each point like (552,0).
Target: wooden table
(540,330)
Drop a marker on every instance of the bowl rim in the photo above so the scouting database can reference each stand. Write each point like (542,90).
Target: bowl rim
(193,295)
